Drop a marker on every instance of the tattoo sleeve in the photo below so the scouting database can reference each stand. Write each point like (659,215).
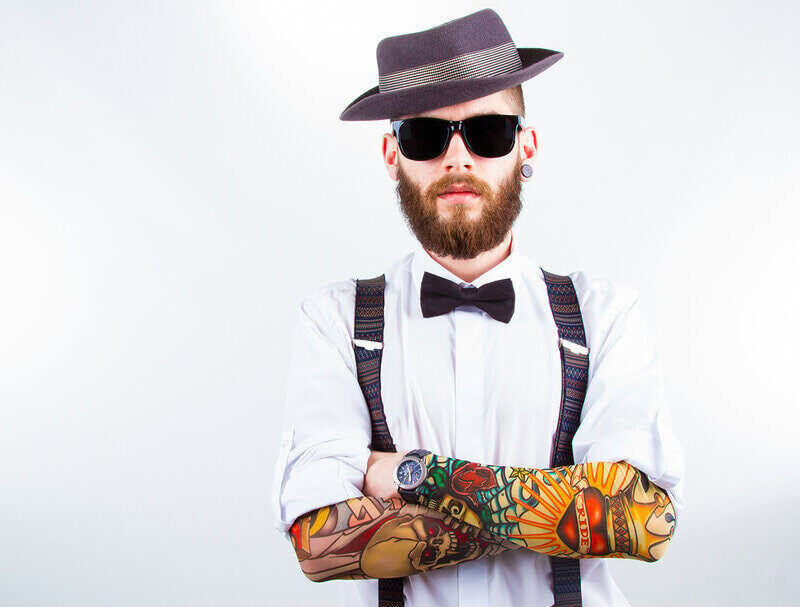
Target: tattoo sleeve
(581,511)
(373,538)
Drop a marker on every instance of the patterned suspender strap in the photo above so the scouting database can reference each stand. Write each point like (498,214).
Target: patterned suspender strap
(574,375)
(368,347)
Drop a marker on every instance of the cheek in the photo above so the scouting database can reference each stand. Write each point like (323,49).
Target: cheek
(420,175)
(496,172)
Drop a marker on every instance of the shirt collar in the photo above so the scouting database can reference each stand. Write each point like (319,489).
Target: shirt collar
(508,268)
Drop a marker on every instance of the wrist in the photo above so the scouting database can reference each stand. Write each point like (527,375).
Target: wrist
(410,474)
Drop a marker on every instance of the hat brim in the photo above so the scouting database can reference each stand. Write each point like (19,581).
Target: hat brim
(374,105)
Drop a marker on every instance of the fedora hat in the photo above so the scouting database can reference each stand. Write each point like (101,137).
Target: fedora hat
(457,61)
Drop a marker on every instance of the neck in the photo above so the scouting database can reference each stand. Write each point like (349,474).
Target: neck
(470,269)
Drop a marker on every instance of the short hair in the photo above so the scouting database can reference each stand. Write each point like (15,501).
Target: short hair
(517,99)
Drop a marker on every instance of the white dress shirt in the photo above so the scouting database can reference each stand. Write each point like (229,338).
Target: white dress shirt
(468,386)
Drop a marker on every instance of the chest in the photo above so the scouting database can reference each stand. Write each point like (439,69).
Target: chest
(465,385)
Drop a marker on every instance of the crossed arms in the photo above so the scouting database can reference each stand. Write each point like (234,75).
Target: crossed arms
(466,511)
(371,537)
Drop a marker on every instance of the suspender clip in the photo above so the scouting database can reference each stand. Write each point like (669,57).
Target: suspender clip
(368,345)
(573,347)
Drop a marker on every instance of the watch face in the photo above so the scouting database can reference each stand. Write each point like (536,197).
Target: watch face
(410,473)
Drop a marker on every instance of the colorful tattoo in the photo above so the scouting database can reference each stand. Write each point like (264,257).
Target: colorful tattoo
(582,511)
(373,538)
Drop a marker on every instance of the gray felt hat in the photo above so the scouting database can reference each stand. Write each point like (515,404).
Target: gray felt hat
(457,61)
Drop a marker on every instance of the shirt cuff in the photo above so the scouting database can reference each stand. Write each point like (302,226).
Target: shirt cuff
(320,482)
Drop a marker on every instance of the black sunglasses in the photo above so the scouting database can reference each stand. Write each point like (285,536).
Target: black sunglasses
(490,135)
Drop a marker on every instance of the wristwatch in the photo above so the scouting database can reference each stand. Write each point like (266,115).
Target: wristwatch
(410,473)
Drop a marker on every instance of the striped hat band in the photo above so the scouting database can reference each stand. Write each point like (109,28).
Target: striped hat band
(492,61)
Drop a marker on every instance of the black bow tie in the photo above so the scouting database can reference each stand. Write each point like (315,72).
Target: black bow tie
(439,296)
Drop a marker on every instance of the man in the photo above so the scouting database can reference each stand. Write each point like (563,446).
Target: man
(469,509)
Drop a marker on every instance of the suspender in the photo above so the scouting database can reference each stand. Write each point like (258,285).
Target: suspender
(574,374)
(368,346)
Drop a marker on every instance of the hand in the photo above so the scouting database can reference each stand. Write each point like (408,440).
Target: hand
(379,479)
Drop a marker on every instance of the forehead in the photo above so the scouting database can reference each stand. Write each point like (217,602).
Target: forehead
(496,103)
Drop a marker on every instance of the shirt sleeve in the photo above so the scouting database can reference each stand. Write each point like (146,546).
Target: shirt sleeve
(326,432)
(625,416)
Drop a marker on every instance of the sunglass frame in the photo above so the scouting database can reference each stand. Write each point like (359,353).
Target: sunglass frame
(452,127)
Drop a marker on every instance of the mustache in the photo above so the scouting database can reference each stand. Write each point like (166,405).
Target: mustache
(441,185)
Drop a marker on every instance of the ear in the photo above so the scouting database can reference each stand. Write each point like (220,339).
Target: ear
(527,145)
(390,155)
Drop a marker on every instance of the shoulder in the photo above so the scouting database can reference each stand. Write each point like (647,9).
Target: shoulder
(604,304)
(329,309)
(329,299)
(596,293)
(334,302)
(601,294)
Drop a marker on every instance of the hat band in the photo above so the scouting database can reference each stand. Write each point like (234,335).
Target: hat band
(492,61)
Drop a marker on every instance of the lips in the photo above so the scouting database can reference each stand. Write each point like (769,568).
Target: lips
(459,190)
(459,197)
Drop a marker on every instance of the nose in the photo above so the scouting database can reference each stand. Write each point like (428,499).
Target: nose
(457,156)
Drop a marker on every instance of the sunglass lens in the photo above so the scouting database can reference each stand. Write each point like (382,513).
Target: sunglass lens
(491,136)
(422,138)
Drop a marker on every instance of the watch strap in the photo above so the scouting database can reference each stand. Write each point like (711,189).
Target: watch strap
(420,453)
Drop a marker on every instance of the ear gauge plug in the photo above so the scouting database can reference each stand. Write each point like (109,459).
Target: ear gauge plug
(526,170)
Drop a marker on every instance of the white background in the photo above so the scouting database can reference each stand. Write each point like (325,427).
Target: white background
(174,179)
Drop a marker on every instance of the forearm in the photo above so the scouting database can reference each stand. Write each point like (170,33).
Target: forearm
(373,538)
(581,511)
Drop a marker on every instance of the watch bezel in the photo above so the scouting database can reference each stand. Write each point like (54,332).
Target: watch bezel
(423,476)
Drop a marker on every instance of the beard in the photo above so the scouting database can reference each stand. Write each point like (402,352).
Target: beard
(460,236)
